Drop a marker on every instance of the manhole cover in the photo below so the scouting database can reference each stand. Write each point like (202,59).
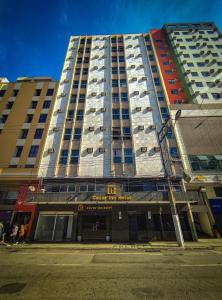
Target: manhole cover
(12,288)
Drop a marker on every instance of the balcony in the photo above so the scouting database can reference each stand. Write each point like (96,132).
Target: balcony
(127,197)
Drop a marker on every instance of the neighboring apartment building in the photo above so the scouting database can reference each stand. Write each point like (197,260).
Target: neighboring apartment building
(134,128)
(189,57)
(25,111)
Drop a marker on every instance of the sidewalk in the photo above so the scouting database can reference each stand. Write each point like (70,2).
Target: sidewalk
(203,244)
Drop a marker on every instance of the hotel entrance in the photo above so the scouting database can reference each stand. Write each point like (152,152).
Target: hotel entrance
(94,227)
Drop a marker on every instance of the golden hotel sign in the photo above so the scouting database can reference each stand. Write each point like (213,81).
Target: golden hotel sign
(111,198)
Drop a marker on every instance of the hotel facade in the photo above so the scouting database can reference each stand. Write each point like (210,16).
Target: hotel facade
(131,150)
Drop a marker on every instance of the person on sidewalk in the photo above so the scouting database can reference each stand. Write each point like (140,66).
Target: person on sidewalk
(21,233)
(14,234)
(1,233)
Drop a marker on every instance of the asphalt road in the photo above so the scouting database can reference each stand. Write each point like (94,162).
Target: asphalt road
(66,274)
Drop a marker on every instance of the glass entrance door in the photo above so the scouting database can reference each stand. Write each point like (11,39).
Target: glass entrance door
(95,227)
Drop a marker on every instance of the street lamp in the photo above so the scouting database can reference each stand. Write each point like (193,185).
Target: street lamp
(161,135)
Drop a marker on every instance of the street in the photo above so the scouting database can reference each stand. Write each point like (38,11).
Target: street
(108,274)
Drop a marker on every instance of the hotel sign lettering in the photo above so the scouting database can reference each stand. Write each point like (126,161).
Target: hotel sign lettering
(111,198)
(84,207)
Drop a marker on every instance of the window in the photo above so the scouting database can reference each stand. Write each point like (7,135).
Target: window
(9,105)
(89,41)
(163,55)
(74,157)
(50,92)
(121,59)
(73,98)
(154,69)
(85,71)
(171,81)
(115,97)
(120,39)
(77,72)
(206,162)
(125,114)
(169,133)
(24,133)
(164,112)
(83,84)
(151,57)
(38,133)
(173,152)
(34,104)
(113,39)
(120,49)
(42,118)
(126,132)
(117,156)
(199,84)
(190,64)
(186,55)
(76,84)
(160,96)
(214,54)
(67,134)
(79,60)
(114,49)
(216,96)
(18,151)
(218,191)
(77,134)
(116,114)
(166,63)
(86,60)
(200,64)
(192,47)
(174,92)
(123,82)
(114,70)
(63,157)
(82,98)
(114,58)
(82,41)
(88,50)
(168,72)
(2,93)
(33,151)
(147,38)
(204,96)
(124,97)
(37,92)
(156,81)
(128,157)
(29,166)
(148,47)
(194,74)
(122,70)
(28,119)
(79,115)
(46,104)
(196,55)
(115,83)
(70,114)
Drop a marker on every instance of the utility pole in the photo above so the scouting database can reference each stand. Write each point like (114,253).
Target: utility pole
(176,221)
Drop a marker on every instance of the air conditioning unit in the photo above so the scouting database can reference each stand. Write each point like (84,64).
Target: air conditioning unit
(134,79)
(132,67)
(93,94)
(51,150)
(212,71)
(102,109)
(96,57)
(138,108)
(95,68)
(89,150)
(103,68)
(139,55)
(136,93)
(103,56)
(59,111)
(65,81)
(146,93)
(67,69)
(91,128)
(143,78)
(131,56)
(219,178)
(140,66)
(103,80)
(96,47)
(102,128)
(94,80)
(62,94)
(103,94)
(137,46)
(140,127)
(143,149)
(129,46)
(149,108)
(55,129)
(72,48)
(156,149)
(152,127)
(101,149)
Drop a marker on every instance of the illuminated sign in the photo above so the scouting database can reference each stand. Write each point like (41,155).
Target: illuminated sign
(111,198)
(82,207)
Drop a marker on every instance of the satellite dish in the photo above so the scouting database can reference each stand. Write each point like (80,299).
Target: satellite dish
(32,188)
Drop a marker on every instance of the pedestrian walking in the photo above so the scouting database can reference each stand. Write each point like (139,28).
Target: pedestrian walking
(1,233)
(21,233)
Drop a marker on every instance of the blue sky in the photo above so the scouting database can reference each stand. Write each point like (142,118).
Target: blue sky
(34,34)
